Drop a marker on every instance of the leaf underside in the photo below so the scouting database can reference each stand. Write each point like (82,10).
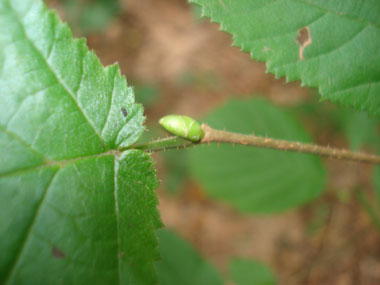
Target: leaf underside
(331,45)
(73,209)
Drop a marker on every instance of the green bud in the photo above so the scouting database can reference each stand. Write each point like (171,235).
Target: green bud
(182,126)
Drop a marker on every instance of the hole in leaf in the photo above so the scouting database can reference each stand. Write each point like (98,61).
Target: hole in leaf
(303,39)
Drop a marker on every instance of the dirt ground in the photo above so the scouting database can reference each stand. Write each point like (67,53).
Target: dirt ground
(330,241)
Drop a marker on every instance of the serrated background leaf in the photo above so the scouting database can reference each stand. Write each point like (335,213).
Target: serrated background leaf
(342,58)
(254,179)
(72,209)
(181,264)
(247,272)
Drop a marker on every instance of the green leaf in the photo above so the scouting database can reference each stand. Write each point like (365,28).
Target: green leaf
(181,264)
(147,94)
(176,164)
(330,45)
(89,16)
(74,208)
(254,179)
(248,272)
(360,129)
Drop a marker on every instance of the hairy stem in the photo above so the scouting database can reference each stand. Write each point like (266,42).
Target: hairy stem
(218,136)
(163,144)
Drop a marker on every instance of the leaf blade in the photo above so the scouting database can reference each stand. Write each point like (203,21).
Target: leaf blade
(82,199)
(340,58)
(64,117)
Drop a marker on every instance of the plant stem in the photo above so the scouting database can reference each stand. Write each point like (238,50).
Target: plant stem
(218,136)
(163,144)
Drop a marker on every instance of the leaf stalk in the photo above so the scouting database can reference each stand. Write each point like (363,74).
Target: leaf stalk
(219,136)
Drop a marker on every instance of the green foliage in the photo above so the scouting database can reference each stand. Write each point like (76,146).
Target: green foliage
(176,164)
(146,94)
(89,16)
(77,207)
(360,129)
(249,272)
(252,179)
(326,44)
(73,209)
(181,264)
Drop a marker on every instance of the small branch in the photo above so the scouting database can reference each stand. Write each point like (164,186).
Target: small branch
(218,136)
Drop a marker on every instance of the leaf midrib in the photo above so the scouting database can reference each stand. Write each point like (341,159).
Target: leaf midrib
(41,203)
(51,163)
(61,163)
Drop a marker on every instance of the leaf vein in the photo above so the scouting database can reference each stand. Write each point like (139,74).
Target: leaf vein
(118,256)
(20,140)
(111,102)
(81,77)
(352,39)
(371,83)
(29,231)
(26,96)
(67,90)
(355,18)
(51,47)
(288,32)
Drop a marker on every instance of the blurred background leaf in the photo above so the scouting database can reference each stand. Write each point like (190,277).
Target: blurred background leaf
(146,94)
(250,272)
(322,46)
(359,128)
(252,179)
(181,264)
(88,16)
(177,164)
